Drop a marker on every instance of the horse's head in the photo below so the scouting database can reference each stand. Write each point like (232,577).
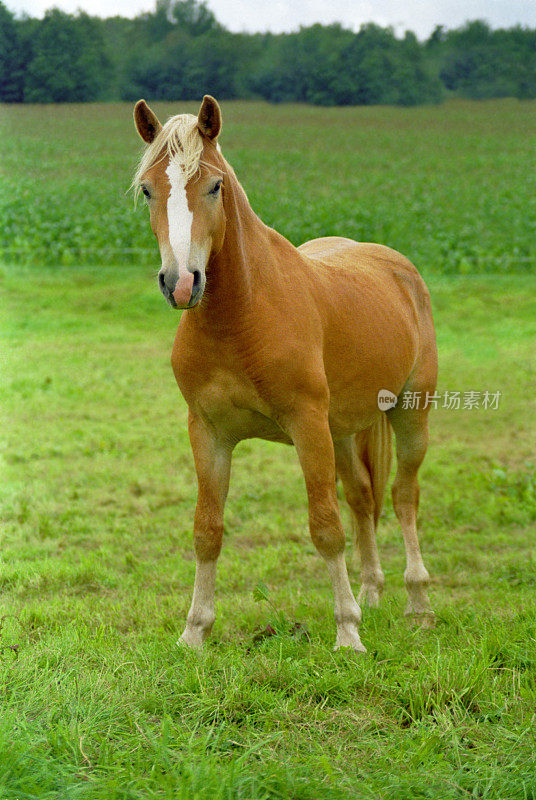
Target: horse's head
(181,174)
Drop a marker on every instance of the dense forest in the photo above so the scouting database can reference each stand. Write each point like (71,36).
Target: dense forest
(180,51)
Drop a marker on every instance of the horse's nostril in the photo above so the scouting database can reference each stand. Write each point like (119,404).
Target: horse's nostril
(197,279)
(161,281)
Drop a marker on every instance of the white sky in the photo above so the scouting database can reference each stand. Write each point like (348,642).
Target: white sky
(420,16)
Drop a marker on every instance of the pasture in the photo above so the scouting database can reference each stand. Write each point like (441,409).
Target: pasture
(98,485)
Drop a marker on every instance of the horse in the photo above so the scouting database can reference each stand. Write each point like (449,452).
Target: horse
(293,345)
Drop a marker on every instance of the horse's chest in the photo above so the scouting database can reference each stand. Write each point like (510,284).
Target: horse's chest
(227,399)
(236,410)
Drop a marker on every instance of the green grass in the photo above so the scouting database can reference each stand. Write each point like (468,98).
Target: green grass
(97,497)
(98,487)
(448,186)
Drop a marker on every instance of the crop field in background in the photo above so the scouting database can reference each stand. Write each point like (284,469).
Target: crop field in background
(98,488)
(448,186)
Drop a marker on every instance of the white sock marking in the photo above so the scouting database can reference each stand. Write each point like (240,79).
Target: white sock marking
(201,614)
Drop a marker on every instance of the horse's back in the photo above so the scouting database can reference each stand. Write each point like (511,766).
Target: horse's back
(367,258)
(367,266)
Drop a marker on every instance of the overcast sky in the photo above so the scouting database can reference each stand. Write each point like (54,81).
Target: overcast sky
(420,16)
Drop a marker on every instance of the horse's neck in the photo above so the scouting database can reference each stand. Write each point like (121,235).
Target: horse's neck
(236,273)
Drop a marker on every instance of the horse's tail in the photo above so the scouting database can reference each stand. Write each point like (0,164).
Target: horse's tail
(378,454)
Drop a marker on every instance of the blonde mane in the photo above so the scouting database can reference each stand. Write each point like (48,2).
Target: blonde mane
(180,140)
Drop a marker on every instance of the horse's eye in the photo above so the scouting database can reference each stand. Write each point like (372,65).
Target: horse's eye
(146,191)
(216,188)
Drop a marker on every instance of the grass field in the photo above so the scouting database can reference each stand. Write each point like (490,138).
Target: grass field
(98,487)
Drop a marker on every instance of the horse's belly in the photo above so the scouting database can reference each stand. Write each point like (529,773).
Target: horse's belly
(366,354)
(355,379)
(353,412)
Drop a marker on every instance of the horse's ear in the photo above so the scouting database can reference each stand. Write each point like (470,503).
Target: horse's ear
(146,121)
(209,118)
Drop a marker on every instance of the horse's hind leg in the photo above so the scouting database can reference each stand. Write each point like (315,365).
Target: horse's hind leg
(357,484)
(312,438)
(411,431)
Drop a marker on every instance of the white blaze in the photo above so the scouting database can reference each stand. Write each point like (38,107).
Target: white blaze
(179,216)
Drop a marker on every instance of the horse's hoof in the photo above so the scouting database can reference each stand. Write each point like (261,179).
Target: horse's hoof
(349,638)
(190,640)
(369,595)
(421,619)
(358,647)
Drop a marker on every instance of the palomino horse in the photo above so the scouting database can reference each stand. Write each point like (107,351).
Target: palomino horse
(292,345)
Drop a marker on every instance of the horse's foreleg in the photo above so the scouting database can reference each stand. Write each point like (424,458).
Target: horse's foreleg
(213,464)
(312,438)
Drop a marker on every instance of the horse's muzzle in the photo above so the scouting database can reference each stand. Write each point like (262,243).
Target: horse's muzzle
(187,291)
(182,293)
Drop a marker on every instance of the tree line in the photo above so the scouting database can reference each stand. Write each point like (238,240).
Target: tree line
(180,51)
